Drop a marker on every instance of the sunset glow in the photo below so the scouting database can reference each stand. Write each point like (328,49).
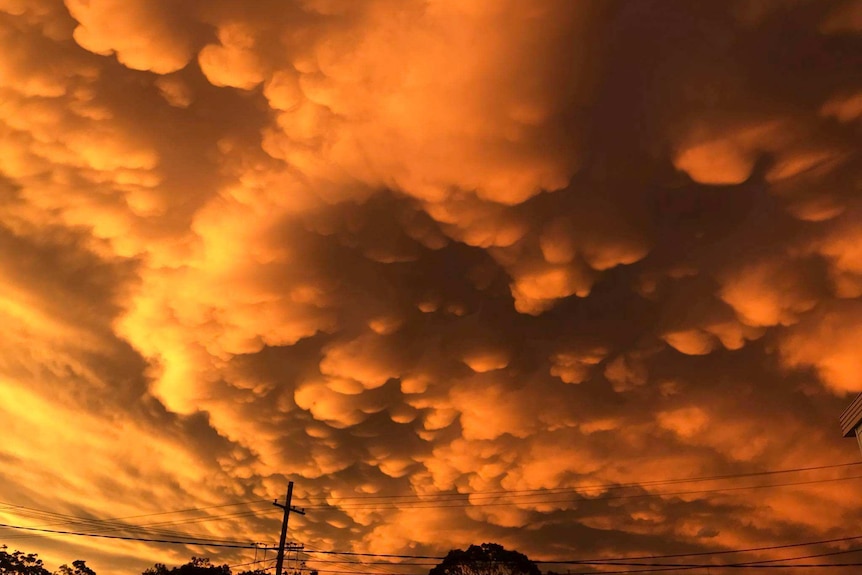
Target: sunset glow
(571,276)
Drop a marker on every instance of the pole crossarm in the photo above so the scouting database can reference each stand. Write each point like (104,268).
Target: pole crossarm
(288,509)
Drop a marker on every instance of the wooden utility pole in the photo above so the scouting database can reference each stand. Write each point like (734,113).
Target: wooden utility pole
(279,560)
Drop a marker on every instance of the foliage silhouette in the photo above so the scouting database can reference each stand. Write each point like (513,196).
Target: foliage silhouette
(485,559)
(20,563)
(197,566)
(78,568)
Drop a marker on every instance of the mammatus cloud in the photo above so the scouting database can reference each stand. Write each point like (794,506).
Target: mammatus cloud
(391,248)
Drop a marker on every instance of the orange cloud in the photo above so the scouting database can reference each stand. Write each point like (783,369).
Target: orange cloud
(825,341)
(397,248)
(143,35)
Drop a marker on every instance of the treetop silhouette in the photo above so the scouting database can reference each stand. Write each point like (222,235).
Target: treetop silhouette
(485,559)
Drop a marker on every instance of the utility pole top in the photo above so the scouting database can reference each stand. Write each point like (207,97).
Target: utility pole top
(288,509)
(287,506)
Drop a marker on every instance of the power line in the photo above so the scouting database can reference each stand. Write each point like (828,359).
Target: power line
(652,570)
(357,572)
(392,555)
(242,545)
(557,490)
(247,563)
(467,503)
(390,563)
(662,569)
(385,566)
(581,561)
(187,510)
(450,497)
(113,523)
(768,563)
(108,526)
(199,519)
(706,553)
(192,540)
(762,564)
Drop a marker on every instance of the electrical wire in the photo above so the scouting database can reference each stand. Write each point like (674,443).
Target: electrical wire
(187,510)
(112,524)
(101,526)
(709,567)
(767,563)
(384,566)
(569,499)
(557,490)
(706,553)
(422,500)
(192,538)
(582,561)
(256,561)
(191,541)
(651,570)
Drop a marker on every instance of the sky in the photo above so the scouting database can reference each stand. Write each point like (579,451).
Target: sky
(547,255)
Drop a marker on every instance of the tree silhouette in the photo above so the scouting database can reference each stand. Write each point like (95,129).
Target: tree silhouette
(197,566)
(78,568)
(485,559)
(157,569)
(20,563)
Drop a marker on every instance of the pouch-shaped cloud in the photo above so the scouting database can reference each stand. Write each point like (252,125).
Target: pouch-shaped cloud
(825,341)
(394,106)
(394,248)
(144,35)
(765,294)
